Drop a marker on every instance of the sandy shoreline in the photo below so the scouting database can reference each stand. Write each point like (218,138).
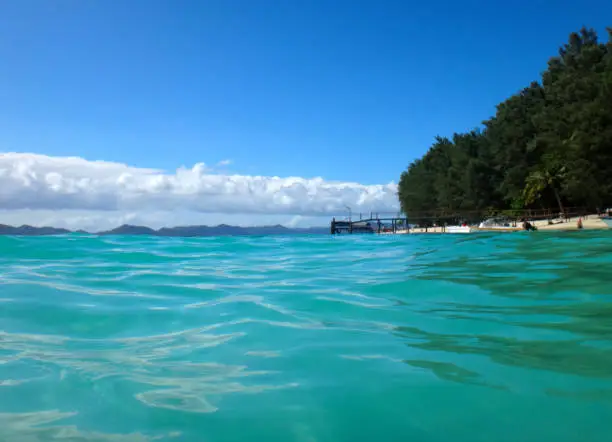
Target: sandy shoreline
(590,222)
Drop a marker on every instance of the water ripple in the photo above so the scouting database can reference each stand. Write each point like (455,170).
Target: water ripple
(298,338)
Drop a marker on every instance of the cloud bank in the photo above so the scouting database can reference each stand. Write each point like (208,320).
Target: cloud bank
(32,182)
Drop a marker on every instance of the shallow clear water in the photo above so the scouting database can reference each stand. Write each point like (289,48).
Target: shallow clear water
(409,338)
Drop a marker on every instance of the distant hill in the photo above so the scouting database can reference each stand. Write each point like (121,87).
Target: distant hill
(26,230)
(128,229)
(180,231)
(220,230)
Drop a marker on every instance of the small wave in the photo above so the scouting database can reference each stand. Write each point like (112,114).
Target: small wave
(140,339)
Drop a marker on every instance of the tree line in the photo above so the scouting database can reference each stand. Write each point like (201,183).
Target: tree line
(549,145)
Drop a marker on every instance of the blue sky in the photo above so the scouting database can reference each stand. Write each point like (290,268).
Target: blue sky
(345,90)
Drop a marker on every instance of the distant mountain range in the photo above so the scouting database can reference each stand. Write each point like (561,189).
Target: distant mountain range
(181,231)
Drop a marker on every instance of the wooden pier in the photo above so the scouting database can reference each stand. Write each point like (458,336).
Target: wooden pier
(372,224)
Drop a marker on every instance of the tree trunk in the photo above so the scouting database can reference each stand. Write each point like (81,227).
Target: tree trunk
(559,201)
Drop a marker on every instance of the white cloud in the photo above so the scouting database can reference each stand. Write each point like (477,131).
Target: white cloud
(223,163)
(95,191)
(30,181)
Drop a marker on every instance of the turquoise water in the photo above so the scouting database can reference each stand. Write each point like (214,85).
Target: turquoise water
(409,338)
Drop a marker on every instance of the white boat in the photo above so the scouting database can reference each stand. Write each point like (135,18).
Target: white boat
(458,229)
(501,224)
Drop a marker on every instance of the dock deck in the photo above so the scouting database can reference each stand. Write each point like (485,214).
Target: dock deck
(369,225)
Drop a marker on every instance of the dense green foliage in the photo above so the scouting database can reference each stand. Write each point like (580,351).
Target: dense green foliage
(550,145)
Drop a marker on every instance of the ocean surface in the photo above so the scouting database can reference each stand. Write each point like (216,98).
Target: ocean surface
(430,338)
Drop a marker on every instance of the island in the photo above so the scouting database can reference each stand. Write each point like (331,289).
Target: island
(547,148)
(179,231)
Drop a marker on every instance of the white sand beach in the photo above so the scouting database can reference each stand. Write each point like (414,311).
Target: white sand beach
(589,222)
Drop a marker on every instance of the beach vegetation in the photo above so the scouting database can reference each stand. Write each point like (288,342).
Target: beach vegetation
(547,146)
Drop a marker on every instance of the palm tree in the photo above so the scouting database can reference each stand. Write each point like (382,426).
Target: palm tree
(542,179)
